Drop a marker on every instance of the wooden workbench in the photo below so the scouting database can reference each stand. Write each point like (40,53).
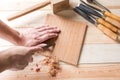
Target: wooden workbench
(100,56)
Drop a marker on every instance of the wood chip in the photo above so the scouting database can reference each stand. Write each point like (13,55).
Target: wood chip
(53,65)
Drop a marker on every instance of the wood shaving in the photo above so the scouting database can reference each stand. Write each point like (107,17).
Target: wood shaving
(53,65)
(37,70)
(50,63)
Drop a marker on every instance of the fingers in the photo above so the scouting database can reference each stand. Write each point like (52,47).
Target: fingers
(47,36)
(38,35)
(46,33)
(49,31)
(30,59)
(45,28)
(37,48)
(39,27)
(25,61)
(22,64)
(42,28)
(19,65)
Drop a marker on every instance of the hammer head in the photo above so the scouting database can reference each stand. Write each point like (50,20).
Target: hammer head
(59,5)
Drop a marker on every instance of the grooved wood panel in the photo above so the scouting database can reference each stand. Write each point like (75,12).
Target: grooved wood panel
(69,43)
(98,47)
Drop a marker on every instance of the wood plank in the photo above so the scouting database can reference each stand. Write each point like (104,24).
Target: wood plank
(107,50)
(21,4)
(85,71)
(100,53)
(91,71)
(91,53)
(69,43)
(93,35)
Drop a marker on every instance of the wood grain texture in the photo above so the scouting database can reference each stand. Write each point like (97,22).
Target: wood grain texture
(113,22)
(28,10)
(91,53)
(98,47)
(83,72)
(69,43)
(108,32)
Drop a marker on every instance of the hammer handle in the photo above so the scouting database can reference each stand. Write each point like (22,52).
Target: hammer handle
(28,10)
(108,25)
(108,32)
(111,15)
(113,22)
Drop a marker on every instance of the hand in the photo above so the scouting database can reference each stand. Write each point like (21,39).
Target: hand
(20,56)
(35,36)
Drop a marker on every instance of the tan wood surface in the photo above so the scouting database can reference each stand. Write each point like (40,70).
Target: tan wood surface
(100,57)
(71,39)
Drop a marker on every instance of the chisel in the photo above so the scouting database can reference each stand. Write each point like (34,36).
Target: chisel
(100,20)
(107,12)
(104,29)
(49,45)
(106,15)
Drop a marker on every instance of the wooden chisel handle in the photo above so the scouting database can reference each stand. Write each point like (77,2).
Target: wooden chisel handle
(28,10)
(108,25)
(108,32)
(111,15)
(113,22)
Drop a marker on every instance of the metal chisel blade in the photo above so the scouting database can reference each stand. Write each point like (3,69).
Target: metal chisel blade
(84,15)
(90,10)
(49,45)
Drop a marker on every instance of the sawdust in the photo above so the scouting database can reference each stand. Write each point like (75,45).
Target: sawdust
(50,63)
(53,64)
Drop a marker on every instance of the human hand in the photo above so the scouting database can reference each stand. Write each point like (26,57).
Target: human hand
(20,56)
(35,36)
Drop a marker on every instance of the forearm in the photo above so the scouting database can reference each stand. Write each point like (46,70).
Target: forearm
(9,34)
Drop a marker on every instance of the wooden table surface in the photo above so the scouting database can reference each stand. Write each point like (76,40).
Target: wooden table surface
(100,56)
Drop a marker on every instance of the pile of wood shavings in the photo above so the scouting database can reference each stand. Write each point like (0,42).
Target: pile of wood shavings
(53,65)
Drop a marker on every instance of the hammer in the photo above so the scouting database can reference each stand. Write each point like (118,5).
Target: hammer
(57,5)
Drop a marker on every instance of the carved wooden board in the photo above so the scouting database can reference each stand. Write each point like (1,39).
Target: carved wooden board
(69,43)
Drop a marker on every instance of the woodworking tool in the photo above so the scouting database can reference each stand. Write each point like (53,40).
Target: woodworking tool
(89,5)
(93,20)
(49,45)
(57,5)
(90,10)
(97,3)
(106,15)
(100,20)
(106,11)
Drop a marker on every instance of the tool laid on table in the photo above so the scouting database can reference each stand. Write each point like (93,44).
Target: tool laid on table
(97,3)
(57,5)
(106,11)
(106,15)
(49,45)
(100,19)
(95,21)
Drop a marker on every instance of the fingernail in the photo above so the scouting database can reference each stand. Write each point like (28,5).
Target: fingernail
(43,45)
(58,29)
(49,45)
